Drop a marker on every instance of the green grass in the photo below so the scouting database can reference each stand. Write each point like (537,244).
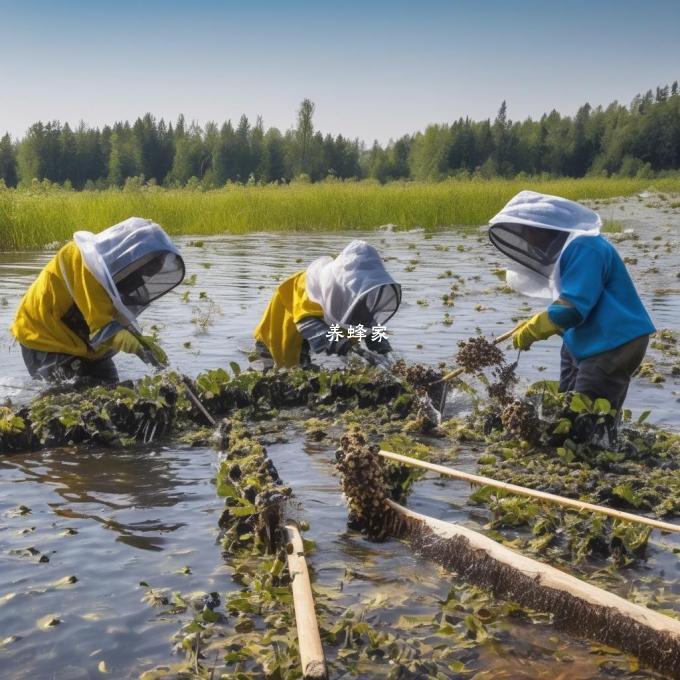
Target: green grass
(31,218)
(612,227)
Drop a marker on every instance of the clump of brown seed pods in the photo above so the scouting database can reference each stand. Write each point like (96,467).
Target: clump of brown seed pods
(505,380)
(363,484)
(477,353)
(418,376)
(520,419)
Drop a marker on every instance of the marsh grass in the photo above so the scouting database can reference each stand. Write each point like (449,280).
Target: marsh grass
(34,217)
(612,227)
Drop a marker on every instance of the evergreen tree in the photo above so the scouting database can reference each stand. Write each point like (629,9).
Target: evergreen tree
(192,158)
(641,138)
(242,158)
(223,155)
(257,150)
(123,157)
(274,157)
(304,134)
(69,170)
(8,162)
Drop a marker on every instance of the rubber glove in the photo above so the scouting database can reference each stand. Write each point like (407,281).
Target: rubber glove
(151,347)
(538,327)
(146,349)
(124,341)
(381,346)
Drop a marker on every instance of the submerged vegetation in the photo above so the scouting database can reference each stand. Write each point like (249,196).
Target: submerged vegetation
(45,214)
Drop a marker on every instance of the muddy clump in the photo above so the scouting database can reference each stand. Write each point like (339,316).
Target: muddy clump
(363,484)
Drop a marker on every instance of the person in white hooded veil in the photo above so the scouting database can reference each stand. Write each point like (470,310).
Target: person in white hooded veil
(83,307)
(313,310)
(557,252)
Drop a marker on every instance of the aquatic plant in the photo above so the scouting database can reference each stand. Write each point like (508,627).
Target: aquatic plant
(253,491)
(155,406)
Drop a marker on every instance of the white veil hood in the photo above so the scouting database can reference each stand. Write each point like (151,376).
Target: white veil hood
(356,275)
(121,249)
(543,211)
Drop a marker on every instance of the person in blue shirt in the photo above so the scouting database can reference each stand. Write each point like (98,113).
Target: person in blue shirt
(557,251)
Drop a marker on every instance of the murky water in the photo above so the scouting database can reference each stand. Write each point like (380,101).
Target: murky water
(115,518)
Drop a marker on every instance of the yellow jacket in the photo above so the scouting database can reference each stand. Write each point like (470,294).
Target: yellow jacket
(56,316)
(277,330)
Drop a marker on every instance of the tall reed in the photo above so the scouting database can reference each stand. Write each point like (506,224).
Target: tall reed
(33,217)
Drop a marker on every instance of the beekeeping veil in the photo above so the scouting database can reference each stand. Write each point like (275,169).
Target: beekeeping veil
(354,288)
(533,230)
(135,262)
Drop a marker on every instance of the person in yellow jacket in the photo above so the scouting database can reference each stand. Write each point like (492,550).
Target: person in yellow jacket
(83,307)
(325,307)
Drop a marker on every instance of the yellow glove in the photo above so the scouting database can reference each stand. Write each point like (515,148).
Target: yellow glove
(538,327)
(145,348)
(124,341)
(158,355)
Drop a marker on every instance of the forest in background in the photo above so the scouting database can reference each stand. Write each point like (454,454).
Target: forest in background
(639,140)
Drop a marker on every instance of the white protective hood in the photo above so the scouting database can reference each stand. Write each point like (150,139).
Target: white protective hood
(123,248)
(357,275)
(552,213)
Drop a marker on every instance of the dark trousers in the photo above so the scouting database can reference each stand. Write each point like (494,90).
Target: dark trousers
(604,375)
(262,353)
(55,367)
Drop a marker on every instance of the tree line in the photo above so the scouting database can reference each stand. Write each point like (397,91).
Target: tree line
(641,139)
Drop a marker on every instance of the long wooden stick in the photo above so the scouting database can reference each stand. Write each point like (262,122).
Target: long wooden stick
(309,640)
(197,402)
(532,493)
(457,371)
(579,606)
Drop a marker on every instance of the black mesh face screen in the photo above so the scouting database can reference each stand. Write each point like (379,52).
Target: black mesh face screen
(533,247)
(159,275)
(376,307)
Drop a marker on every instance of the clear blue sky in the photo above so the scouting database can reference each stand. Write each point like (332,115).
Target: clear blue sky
(374,69)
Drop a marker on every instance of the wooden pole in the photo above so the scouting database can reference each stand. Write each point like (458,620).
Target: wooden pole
(458,371)
(197,402)
(309,640)
(532,493)
(583,608)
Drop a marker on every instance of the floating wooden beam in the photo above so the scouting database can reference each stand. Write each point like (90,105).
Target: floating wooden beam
(532,493)
(309,641)
(577,606)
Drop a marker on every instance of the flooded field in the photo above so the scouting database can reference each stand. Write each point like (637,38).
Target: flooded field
(81,529)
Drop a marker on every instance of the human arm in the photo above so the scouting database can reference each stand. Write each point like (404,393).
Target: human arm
(582,276)
(320,337)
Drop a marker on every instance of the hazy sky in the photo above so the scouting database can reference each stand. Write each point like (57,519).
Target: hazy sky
(374,69)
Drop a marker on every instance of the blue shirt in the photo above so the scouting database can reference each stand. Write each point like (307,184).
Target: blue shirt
(594,279)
